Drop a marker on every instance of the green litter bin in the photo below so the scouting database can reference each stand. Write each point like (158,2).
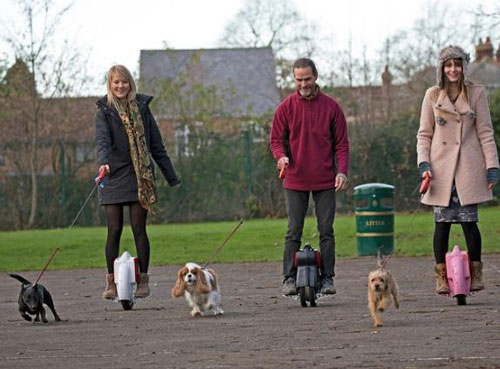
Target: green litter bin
(374,204)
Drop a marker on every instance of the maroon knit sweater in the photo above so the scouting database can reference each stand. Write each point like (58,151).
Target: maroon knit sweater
(306,127)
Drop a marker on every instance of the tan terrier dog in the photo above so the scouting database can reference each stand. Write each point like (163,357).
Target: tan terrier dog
(382,291)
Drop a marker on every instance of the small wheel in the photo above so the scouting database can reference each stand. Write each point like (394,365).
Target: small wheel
(461,299)
(302,294)
(127,305)
(311,296)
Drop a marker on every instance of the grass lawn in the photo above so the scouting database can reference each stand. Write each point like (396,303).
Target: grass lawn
(256,240)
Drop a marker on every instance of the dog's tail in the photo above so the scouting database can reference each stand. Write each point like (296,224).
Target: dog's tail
(19,278)
(381,261)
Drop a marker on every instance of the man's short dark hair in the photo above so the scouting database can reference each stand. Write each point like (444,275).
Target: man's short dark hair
(304,63)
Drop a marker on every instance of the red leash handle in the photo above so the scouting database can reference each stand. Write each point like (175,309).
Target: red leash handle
(426,182)
(99,179)
(282,174)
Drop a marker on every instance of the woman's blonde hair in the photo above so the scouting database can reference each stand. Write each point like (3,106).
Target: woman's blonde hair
(124,73)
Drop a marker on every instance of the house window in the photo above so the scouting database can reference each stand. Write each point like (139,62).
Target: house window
(182,140)
(258,134)
(185,143)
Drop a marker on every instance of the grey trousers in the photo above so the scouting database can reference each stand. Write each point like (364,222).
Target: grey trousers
(297,203)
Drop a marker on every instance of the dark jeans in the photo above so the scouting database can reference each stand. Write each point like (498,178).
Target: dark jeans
(297,203)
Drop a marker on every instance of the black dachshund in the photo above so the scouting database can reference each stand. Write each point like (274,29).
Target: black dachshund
(31,300)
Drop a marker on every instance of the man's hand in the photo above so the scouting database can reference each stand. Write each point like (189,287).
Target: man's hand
(492,185)
(283,162)
(340,182)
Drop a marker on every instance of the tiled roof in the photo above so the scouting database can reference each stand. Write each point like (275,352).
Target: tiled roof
(486,72)
(244,78)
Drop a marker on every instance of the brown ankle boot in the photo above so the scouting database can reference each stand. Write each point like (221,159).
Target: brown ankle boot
(476,273)
(441,280)
(142,285)
(110,291)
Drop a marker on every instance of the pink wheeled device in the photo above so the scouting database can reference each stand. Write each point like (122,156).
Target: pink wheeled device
(458,274)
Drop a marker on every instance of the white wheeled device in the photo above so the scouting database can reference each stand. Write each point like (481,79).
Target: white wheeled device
(126,270)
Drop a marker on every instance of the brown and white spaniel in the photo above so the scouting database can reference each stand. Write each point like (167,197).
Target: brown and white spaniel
(200,288)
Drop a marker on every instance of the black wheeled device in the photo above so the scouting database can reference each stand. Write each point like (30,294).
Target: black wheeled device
(308,281)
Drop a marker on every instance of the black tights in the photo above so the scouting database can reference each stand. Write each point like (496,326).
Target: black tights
(138,215)
(442,236)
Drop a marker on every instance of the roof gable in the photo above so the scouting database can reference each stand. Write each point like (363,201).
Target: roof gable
(244,78)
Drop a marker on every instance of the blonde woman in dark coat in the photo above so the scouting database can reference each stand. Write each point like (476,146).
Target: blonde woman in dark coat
(456,148)
(127,138)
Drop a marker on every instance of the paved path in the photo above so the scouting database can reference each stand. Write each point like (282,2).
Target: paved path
(260,329)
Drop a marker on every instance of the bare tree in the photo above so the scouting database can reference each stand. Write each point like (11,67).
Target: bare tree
(349,65)
(276,24)
(52,72)
(411,51)
(492,16)
(273,24)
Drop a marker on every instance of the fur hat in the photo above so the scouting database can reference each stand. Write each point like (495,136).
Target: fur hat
(452,52)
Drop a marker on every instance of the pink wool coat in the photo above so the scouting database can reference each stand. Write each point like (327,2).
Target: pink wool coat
(458,142)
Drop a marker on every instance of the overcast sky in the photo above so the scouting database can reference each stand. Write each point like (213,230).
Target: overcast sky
(114,31)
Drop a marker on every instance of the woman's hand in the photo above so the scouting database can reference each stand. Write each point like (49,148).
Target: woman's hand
(105,168)
(427,173)
(492,176)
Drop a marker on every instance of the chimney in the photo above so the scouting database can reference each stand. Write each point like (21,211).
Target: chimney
(484,50)
(386,77)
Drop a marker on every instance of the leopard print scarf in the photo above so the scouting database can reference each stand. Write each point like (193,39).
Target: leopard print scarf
(132,121)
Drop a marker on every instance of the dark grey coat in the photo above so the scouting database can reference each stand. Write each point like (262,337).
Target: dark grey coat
(113,149)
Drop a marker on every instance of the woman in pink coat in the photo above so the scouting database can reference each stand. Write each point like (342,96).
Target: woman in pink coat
(457,150)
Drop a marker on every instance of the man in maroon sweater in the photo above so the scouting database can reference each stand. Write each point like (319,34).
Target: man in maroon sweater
(309,138)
